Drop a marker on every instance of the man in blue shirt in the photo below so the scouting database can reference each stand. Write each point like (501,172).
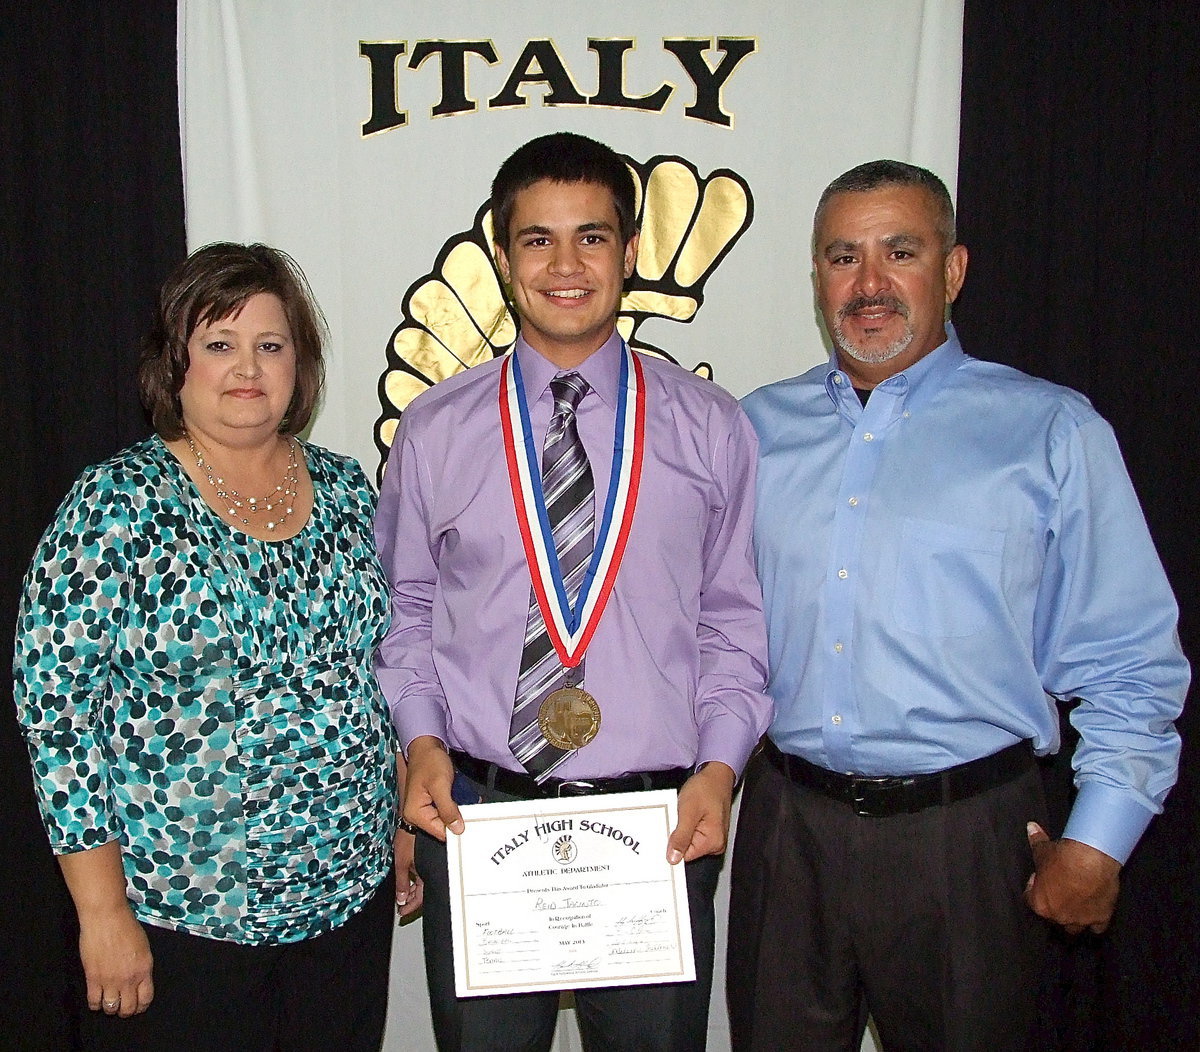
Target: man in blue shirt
(946,547)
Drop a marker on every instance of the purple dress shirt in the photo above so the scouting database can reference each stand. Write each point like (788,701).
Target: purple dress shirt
(678,662)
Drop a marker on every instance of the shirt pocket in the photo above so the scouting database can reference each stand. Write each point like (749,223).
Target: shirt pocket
(948,578)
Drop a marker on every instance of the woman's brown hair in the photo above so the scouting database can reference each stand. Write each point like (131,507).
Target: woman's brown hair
(212,283)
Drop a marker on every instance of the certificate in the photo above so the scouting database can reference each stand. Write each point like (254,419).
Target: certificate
(565,893)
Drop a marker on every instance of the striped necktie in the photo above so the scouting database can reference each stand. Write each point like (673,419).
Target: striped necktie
(570,506)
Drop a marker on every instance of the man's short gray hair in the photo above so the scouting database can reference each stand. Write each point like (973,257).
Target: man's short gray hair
(876,174)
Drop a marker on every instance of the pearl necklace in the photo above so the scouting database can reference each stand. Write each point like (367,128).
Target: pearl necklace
(282,497)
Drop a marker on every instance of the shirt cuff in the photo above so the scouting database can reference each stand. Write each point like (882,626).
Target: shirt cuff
(417,716)
(716,746)
(1107,819)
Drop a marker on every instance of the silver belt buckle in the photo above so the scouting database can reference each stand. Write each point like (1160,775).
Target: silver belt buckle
(858,797)
(580,783)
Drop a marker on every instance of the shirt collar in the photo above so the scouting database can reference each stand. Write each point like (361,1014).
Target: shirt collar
(919,382)
(601,369)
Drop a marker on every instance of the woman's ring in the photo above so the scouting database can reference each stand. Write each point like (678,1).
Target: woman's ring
(112,1004)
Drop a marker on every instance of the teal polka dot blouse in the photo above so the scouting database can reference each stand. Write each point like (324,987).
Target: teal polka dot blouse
(208,699)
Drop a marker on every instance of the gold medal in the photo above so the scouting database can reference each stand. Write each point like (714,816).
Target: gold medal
(569,718)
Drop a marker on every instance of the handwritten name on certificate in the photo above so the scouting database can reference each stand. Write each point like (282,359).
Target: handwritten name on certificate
(568,893)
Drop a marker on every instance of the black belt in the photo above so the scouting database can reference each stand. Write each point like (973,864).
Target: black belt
(899,795)
(519,784)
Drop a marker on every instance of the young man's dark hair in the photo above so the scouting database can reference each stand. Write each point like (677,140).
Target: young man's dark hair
(563,157)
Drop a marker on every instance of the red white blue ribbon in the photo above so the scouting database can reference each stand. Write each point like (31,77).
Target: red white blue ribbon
(571,630)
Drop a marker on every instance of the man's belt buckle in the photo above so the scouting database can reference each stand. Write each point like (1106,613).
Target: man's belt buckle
(860,793)
(866,795)
(575,787)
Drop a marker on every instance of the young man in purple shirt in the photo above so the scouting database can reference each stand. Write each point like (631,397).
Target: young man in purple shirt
(659,683)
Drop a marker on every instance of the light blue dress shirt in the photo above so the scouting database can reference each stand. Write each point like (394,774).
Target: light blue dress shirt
(939,565)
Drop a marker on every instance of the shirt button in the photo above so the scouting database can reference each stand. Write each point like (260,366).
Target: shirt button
(853,502)
(837,718)
(868,437)
(839,647)
(843,574)
(907,414)
(837,379)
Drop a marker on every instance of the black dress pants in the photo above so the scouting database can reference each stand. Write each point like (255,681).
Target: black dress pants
(324,994)
(666,1017)
(917,918)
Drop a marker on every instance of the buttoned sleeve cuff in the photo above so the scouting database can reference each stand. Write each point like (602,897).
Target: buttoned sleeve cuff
(418,716)
(1107,819)
(729,746)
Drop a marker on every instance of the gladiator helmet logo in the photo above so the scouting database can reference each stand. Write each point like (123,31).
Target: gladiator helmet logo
(564,849)
(458,314)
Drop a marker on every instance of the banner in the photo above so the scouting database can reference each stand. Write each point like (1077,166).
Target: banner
(361,137)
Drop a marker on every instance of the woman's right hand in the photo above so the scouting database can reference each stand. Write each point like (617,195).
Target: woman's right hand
(112,944)
(116,963)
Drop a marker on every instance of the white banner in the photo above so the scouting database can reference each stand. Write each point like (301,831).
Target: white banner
(361,137)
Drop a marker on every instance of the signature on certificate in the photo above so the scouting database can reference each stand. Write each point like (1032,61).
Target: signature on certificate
(574,966)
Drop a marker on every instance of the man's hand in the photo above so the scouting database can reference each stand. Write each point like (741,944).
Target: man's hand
(704,803)
(427,801)
(1073,884)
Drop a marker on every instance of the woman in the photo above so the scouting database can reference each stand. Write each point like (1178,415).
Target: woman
(214,762)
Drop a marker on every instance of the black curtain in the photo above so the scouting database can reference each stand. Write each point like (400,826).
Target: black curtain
(1077,198)
(91,220)
(1078,182)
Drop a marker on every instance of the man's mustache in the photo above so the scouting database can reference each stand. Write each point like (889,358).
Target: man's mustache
(873,302)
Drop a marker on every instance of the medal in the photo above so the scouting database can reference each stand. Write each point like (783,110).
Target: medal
(569,718)
(571,628)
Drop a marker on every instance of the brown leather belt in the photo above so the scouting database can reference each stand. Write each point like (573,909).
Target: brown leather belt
(899,795)
(519,784)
